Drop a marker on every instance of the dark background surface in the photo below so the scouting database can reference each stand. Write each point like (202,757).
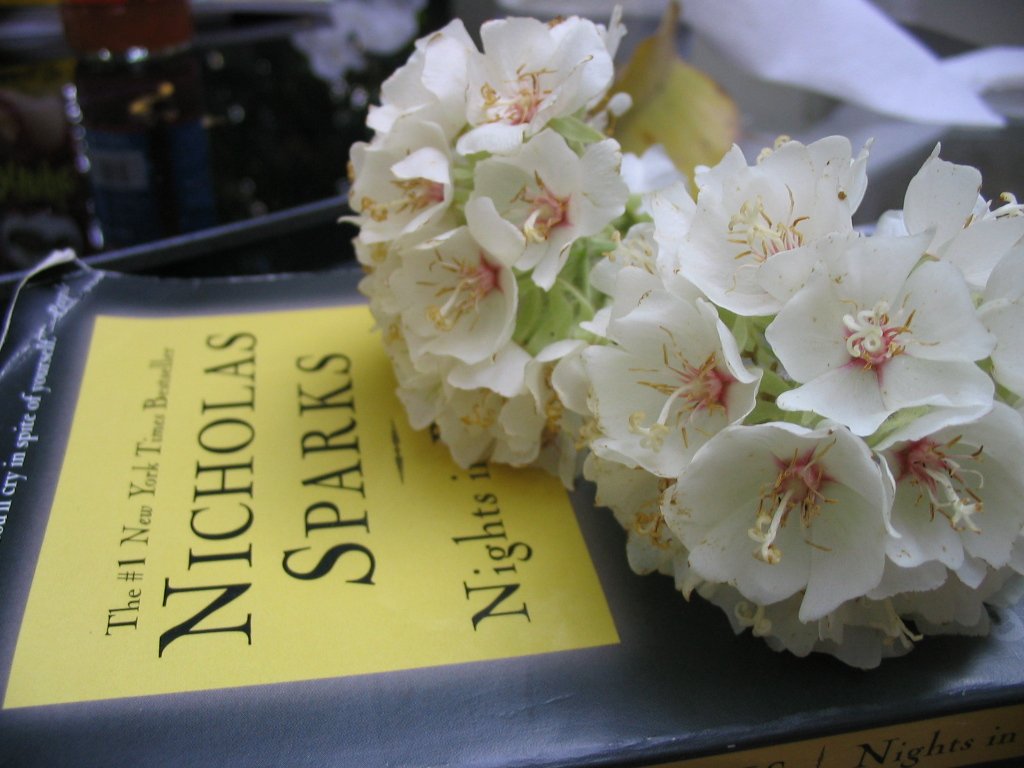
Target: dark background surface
(279,134)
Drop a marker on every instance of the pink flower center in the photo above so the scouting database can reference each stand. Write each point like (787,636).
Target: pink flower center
(546,211)
(705,386)
(873,337)
(416,194)
(928,466)
(521,105)
(801,478)
(484,278)
(762,236)
(799,485)
(469,285)
(701,387)
(420,193)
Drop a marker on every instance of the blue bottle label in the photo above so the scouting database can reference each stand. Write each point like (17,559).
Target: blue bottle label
(151,184)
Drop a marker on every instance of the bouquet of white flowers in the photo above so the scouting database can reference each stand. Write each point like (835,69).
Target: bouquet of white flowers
(484,198)
(817,429)
(812,427)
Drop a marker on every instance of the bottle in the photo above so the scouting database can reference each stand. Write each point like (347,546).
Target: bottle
(44,198)
(138,101)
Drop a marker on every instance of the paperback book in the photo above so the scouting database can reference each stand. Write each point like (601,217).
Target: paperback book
(222,544)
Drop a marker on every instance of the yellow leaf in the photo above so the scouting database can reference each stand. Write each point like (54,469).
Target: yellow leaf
(674,104)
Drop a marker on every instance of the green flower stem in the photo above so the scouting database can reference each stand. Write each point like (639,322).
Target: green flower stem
(548,316)
(585,308)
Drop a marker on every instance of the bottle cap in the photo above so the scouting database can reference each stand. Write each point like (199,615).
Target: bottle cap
(126,29)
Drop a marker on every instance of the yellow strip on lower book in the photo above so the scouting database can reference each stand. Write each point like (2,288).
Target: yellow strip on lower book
(242,502)
(953,741)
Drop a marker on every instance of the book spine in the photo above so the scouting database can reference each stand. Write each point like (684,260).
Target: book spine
(952,741)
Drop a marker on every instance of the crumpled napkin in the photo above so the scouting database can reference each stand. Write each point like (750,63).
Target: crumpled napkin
(851,50)
(848,49)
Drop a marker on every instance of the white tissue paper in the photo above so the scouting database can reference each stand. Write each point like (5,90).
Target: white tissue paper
(846,49)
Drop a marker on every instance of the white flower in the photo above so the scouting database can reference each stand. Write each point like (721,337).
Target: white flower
(401,183)
(529,73)
(468,424)
(569,378)
(652,171)
(625,274)
(859,632)
(548,427)
(746,215)
(528,208)
(775,509)
(503,372)
(432,84)
(672,379)
(505,410)
(672,210)
(942,199)
(456,300)
(870,334)
(899,579)
(634,497)
(1003,314)
(510,416)
(954,607)
(958,490)
(420,384)
(380,259)
(559,386)
(522,432)
(616,30)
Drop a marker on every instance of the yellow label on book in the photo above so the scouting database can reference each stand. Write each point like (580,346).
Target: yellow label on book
(243,502)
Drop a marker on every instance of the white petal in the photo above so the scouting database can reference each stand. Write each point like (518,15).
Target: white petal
(786,273)
(1006,322)
(727,344)
(711,518)
(905,382)
(651,171)
(945,325)
(569,380)
(424,163)
(868,269)
(941,196)
(496,138)
(933,420)
(846,559)
(891,224)
(1000,520)
(494,233)
(848,395)
(897,580)
(972,572)
(672,209)
(924,536)
(807,334)
(977,249)
(521,425)
(1003,315)
(602,187)
(505,373)
(1007,281)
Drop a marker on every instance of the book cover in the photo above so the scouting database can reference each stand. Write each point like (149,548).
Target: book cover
(221,544)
